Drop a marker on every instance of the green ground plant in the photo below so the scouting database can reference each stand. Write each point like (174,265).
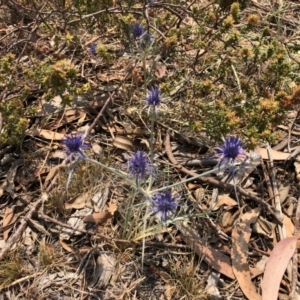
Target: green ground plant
(12,268)
(239,72)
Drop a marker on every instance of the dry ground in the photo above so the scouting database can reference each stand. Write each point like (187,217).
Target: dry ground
(213,248)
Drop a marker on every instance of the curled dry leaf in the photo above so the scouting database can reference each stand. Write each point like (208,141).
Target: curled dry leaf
(53,171)
(264,227)
(105,268)
(11,174)
(112,207)
(3,187)
(46,134)
(239,253)
(97,148)
(98,218)
(227,220)
(224,199)
(9,219)
(123,143)
(284,191)
(288,225)
(99,199)
(276,266)
(212,285)
(59,154)
(161,69)
(79,202)
(101,217)
(66,246)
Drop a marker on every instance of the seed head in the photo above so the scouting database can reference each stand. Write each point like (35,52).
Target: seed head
(74,145)
(164,204)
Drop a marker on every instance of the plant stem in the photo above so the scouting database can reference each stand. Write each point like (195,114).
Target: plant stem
(215,170)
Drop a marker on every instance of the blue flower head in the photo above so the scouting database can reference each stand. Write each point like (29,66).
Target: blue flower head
(164,204)
(93,49)
(139,165)
(230,152)
(74,145)
(137,30)
(154,98)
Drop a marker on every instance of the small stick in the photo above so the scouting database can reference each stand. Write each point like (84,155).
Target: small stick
(281,229)
(20,280)
(268,182)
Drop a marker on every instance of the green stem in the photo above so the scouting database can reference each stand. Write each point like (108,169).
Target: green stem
(118,173)
(128,214)
(215,170)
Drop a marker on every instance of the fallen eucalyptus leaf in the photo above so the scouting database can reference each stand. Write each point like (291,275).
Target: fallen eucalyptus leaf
(123,143)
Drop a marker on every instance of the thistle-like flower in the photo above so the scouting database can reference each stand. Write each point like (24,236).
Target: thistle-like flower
(231,152)
(139,165)
(164,205)
(137,30)
(154,98)
(74,145)
(92,49)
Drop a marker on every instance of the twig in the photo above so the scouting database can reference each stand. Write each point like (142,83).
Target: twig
(267,180)
(20,280)
(225,186)
(281,229)
(23,224)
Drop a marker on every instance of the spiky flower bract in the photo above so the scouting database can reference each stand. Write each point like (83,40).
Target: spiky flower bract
(154,98)
(74,145)
(231,152)
(164,204)
(139,165)
(147,39)
(92,49)
(137,30)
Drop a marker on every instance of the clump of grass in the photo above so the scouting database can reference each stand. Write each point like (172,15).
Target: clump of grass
(56,201)
(11,269)
(185,277)
(48,256)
